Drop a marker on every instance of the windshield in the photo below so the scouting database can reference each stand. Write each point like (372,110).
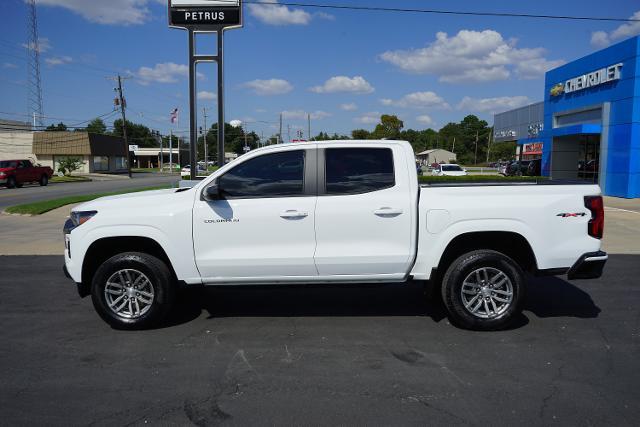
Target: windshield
(451,168)
(7,164)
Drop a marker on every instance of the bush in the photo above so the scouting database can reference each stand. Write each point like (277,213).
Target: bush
(69,165)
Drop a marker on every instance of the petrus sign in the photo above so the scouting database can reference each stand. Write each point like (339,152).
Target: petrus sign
(205,15)
(585,81)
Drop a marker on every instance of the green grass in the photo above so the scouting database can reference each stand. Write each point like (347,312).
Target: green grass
(69,179)
(479,178)
(38,208)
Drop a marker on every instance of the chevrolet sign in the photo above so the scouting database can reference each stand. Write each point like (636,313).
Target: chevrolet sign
(595,78)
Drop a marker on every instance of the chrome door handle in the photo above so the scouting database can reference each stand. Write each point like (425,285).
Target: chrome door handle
(292,214)
(386,211)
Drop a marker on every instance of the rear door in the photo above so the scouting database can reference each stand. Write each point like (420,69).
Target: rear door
(363,213)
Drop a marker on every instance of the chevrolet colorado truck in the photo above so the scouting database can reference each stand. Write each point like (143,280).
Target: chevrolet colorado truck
(15,173)
(339,212)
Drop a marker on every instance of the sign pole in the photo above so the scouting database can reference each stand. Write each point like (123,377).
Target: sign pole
(193,131)
(221,152)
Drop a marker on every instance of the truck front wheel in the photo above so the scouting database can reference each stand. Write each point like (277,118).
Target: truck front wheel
(132,290)
(483,290)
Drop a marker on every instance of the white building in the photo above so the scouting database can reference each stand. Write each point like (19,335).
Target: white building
(437,155)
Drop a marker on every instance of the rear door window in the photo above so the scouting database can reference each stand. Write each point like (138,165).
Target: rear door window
(358,170)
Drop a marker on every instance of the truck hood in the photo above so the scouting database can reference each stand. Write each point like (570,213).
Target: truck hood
(130,200)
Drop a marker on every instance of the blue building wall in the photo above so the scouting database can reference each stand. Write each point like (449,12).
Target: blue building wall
(620,140)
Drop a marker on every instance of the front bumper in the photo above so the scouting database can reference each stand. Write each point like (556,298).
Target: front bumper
(589,266)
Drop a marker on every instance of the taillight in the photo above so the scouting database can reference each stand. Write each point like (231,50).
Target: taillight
(596,224)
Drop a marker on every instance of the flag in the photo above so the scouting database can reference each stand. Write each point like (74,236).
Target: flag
(174,116)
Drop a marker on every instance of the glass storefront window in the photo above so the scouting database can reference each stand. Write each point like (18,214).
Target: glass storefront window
(100,163)
(121,163)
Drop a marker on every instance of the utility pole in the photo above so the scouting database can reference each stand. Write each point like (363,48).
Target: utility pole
(454,145)
(288,133)
(161,151)
(475,158)
(171,151)
(280,132)
(489,144)
(122,102)
(308,127)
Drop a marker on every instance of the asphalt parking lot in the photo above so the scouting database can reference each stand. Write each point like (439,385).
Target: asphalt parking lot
(376,355)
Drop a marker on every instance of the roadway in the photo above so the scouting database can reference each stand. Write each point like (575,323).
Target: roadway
(35,193)
(310,355)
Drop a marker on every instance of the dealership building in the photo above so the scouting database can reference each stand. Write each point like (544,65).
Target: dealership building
(588,126)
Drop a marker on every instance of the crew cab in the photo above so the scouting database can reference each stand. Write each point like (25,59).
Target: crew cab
(339,212)
(16,173)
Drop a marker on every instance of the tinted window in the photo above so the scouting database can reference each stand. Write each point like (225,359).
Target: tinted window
(270,175)
(358,170)
(451,168)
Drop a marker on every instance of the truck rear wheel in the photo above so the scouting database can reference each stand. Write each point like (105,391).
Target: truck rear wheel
(44,180)
(483,290)
(132,290)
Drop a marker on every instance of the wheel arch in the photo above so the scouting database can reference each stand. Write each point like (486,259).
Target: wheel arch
(510,243)
(102,249)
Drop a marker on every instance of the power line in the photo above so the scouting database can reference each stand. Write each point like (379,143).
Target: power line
(444,12)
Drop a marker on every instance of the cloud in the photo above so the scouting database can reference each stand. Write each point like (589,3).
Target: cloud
(269,87)
(236,123)
(425,120)
(323,15)
(9,65)
(471,56)
(207,96)
(167,72)
(492,105)
(349,107)
(603,39)
(337,84)
(43,45)
(275,14)
(116,12)
(418,100)
(302,115)
(58,60)
(370,118)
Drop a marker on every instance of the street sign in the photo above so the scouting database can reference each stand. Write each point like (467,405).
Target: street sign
(205,15)
(133,147)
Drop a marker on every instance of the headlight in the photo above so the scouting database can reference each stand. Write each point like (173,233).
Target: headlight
(2,174)
(80,217)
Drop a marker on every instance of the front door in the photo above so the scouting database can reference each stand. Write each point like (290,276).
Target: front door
(262,228)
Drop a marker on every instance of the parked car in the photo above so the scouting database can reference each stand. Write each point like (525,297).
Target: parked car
(351,212)
(187,170)
(16,173)
(449,170)
(535,168)
(517,168)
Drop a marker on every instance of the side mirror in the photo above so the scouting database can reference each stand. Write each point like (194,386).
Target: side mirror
(212,193)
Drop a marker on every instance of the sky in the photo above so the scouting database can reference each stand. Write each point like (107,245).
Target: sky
(344,68)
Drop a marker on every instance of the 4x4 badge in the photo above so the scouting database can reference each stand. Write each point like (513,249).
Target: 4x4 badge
(571,215)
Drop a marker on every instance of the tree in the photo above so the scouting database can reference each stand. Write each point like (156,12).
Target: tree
(360,134)
(389,127)
(96,126)
(60,127)
(136,134)
(68,165)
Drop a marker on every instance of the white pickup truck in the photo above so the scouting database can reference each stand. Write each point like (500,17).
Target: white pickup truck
(332,212)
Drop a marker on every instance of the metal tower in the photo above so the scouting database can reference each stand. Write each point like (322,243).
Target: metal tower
(33,67)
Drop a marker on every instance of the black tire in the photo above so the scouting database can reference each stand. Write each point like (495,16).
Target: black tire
(486,318)
(44,180)
(162,287)
(11,182)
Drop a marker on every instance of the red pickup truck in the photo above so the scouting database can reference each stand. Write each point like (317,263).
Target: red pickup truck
(14,173)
